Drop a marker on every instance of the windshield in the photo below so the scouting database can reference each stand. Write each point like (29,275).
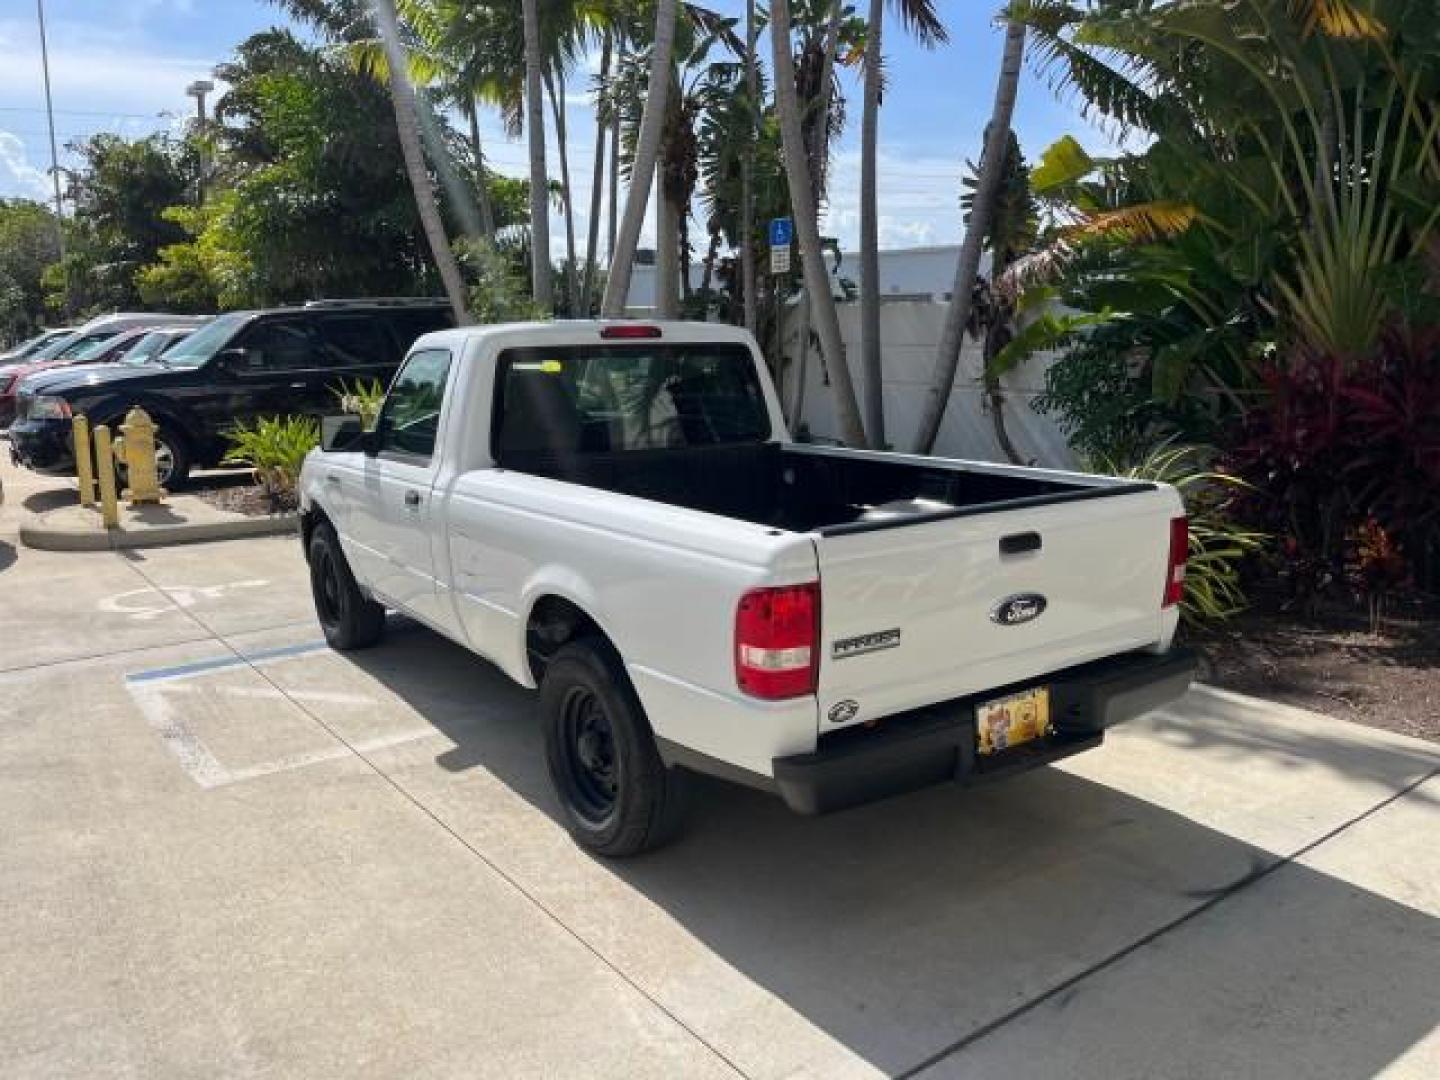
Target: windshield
(150,346)
(54,348)
(205,342)
(90,351)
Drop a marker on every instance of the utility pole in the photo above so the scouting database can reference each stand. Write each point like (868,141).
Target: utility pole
(198,89)
(50,117)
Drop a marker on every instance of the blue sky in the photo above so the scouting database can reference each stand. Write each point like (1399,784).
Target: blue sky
(122,65)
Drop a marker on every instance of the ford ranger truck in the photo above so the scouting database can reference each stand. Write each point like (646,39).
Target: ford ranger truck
(615,513)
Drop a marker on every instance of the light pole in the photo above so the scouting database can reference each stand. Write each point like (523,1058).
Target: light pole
(50,117)
(198,89)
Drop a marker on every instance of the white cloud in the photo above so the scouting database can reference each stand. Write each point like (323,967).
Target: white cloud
(17,175)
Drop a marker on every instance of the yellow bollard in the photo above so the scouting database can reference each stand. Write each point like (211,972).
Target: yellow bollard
(135,448)
(84,471)
(105,470)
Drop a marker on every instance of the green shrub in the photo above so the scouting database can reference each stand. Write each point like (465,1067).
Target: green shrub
(275,448)
(362,399)
(1218,544)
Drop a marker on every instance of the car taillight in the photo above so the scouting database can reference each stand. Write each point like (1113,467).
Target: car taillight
(777,635)
(1175,568)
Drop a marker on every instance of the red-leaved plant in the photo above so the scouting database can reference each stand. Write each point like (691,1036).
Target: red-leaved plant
(1338,444)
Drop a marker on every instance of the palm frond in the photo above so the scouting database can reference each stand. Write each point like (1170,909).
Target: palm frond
(1142,223)
(1341,19)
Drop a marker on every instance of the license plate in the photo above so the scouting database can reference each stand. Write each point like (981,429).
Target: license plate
(1010,721)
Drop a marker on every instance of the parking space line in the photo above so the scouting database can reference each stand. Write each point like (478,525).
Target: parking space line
(218,663)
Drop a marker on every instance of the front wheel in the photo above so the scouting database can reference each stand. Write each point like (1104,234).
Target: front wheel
(348,617)
(618,796)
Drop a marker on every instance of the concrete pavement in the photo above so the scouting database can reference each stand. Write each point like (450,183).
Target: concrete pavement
(228,851)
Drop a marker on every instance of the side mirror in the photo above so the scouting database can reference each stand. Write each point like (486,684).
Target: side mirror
(338,433)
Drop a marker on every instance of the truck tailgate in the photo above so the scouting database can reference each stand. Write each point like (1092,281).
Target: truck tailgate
(916,613)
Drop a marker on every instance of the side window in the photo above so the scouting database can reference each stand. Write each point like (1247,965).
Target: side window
(408,325)
(280,345)
(410,419)
(352,341)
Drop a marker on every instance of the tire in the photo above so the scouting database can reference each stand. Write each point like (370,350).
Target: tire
(619,798)
(349,618)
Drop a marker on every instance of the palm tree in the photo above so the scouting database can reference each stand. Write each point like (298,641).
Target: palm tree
(597,177)
(967,268)
(402,97)
(747,181)
(541,288)
(798,171)
(622,263)
(924,21)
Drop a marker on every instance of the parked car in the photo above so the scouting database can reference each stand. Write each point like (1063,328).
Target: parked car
(99,345)
(153,343)
(238,367)
(615,513)
(34,344)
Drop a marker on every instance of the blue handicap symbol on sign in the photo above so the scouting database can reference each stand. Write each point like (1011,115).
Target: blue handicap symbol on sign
(782,231)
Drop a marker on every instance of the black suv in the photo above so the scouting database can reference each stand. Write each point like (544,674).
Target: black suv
(241,366)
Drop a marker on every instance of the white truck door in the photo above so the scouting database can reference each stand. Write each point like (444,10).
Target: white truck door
(395,513)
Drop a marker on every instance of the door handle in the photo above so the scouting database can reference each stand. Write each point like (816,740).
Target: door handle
(412,498)
(331,478)
(1020,543)
(297,386)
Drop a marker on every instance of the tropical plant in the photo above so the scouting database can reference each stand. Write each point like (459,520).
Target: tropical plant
(1338,442)
(499,291)
(1219,544)
(642,172)
(803,199)
(967,268)
(275,447)
(921,17)
(542,288)
(362,399)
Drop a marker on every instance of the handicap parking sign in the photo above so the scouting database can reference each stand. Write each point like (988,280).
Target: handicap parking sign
(782,231)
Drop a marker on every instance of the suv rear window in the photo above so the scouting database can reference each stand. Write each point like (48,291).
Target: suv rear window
(609,399)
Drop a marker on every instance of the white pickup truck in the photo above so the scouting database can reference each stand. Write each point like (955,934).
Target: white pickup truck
(615,513)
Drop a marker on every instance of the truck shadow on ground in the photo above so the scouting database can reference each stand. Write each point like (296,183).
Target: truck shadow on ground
(906,929)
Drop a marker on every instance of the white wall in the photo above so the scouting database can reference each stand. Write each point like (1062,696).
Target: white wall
(909,332)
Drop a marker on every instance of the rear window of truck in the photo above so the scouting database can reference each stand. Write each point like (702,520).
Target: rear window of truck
(612,399)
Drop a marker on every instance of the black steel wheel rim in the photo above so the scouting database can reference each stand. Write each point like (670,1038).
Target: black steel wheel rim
(588,747)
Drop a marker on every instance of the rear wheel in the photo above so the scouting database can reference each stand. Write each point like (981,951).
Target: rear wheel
(349,618)
(618,796)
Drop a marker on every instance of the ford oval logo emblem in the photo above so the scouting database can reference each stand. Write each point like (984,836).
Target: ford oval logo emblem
(1017,609)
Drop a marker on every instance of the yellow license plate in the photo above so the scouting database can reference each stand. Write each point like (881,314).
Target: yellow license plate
(1010,721)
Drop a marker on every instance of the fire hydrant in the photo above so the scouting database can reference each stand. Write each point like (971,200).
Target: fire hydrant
(135,449)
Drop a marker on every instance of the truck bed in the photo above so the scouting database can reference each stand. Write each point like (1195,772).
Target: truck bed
(809,488)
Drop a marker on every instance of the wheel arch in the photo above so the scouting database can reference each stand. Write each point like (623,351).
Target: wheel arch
(553,619)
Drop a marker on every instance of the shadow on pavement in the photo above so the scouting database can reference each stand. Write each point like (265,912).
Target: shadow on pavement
(904,928)
(52,499)
(8,555)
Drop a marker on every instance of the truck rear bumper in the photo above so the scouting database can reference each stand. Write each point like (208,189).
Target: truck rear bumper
(937,744)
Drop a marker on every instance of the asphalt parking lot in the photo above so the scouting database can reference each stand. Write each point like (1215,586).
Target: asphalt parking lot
(227,851)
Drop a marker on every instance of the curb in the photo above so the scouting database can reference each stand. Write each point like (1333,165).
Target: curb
(35,533)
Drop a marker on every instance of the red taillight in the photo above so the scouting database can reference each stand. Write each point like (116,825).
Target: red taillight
(1175,569)
(630,331)
(777,635)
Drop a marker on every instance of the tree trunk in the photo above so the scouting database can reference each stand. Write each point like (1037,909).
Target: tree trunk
(807,225)
(870,362)
(541,288)
(613,214)
(407,126)
(597,184)
(555,88)
(667,254)
(482,187)
(652,123)
(992,165)
(748,284)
